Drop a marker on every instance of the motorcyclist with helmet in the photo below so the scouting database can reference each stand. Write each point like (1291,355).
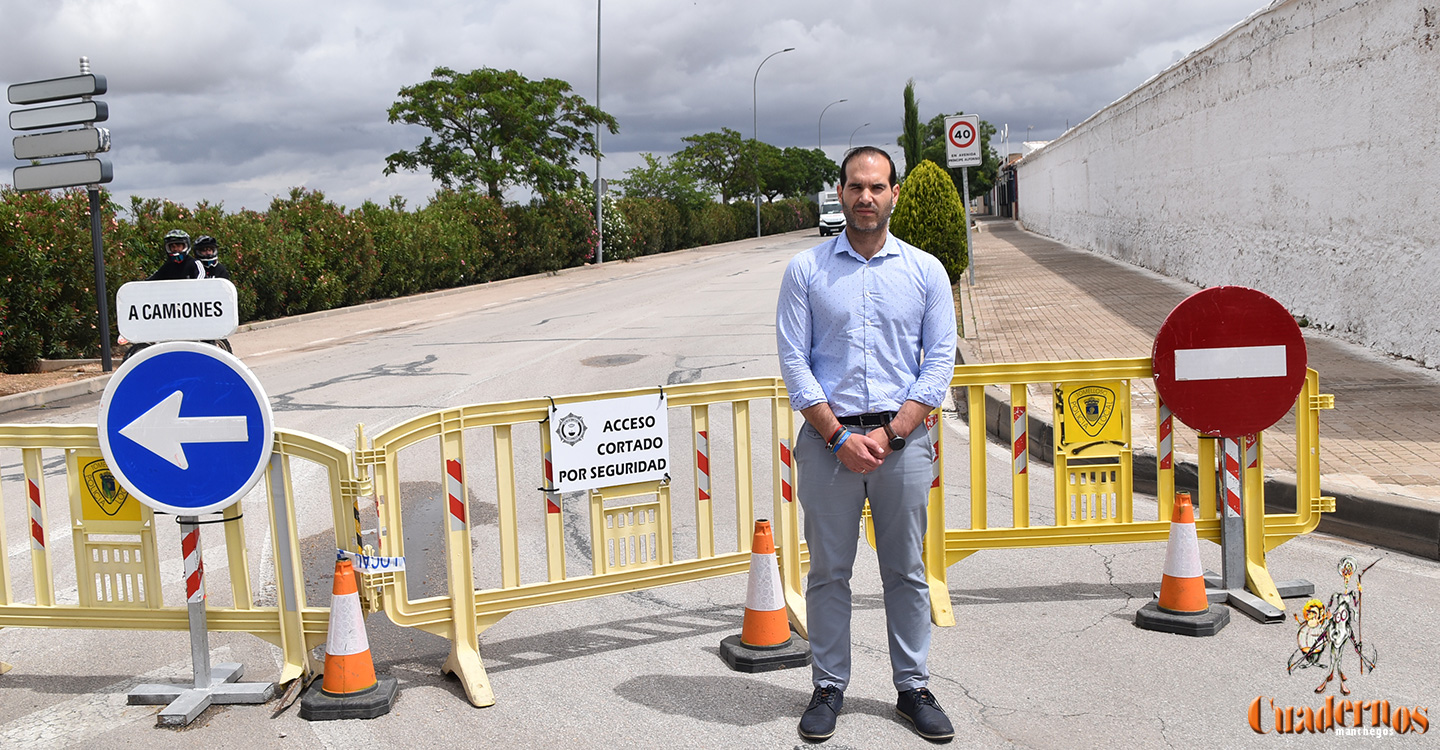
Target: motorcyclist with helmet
(178,263)
(207,252)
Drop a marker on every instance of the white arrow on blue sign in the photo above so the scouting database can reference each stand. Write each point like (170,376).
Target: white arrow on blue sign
(186,428)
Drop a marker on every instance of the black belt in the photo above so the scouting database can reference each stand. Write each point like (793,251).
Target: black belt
(874,419)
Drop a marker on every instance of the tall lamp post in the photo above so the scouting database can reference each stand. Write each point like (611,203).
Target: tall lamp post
(852,135)
(819,137)
(599,194)
(755,128)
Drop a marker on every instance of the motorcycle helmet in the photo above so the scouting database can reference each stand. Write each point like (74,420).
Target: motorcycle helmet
(206,250)
(176,237)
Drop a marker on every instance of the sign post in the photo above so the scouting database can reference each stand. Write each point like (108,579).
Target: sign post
(90,171)
(962,150)
(1229,362)
(187,430)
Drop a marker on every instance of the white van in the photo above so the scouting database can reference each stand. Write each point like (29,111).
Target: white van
(832,220)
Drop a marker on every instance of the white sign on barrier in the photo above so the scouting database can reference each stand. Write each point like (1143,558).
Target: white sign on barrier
(609,442)
(177,310)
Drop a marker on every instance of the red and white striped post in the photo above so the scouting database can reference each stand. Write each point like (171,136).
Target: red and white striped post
(455,494)
(1232,524)
(1165,460)
(195,598)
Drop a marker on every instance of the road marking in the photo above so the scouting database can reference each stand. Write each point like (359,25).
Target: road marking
(1230,362)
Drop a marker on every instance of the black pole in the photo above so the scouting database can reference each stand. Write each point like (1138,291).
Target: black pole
(102,300)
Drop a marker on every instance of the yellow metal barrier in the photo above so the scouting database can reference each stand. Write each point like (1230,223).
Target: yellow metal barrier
(117,573)
(1094,476)
(631,542)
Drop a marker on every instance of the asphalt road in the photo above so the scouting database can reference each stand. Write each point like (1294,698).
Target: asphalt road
(1044,653)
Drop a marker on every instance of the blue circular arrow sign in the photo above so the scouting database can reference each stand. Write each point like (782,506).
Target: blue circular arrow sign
(186,428)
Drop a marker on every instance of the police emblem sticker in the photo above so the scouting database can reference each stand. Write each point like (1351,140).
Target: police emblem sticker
(571,429)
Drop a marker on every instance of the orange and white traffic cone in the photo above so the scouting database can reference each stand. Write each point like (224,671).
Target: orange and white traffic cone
(764,643)
(350,689)
(1182,606)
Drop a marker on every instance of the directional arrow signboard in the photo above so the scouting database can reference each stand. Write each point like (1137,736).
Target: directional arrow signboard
(1229,361)
(186,428)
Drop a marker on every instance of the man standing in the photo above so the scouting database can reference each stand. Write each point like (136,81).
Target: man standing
(866,331)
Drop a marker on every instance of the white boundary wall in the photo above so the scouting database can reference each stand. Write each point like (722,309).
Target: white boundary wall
(1298,154)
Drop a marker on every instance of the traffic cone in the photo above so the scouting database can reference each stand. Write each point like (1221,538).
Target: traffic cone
(764,643)
(1182,606)
(350,689)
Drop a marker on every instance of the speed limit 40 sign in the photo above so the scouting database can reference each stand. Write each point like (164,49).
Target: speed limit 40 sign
(962,141)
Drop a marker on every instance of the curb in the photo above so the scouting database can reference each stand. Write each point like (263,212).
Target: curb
(44,396)
(1374,518)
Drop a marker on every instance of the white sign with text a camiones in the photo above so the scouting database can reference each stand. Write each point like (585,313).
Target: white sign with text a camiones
(609,442)
(177,310)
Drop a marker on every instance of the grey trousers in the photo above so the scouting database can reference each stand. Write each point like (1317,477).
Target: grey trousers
(832,497)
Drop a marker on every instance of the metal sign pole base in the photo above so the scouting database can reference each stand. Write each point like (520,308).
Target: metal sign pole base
(212,685)
(186,703)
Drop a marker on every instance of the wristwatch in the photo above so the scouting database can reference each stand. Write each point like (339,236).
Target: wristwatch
(896,442)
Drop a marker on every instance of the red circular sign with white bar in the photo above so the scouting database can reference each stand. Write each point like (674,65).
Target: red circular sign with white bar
(1229,361)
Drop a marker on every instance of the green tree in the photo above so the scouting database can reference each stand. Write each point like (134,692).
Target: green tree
(494,129)
(795,172)
(664,179)
(722,161)
(910,136)
(929,215)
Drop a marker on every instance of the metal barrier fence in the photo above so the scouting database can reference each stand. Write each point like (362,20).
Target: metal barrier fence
(117,573)
(1093,493)
(629,530)
(630,534)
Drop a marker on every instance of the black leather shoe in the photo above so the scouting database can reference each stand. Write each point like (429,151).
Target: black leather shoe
(818,721)
(921,709)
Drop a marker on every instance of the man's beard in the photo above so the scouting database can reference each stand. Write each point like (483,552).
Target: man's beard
(882,219)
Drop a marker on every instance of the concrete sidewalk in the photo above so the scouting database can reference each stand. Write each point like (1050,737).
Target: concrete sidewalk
(1035,299)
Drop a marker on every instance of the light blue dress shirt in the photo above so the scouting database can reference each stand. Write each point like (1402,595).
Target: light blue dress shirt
(866,336)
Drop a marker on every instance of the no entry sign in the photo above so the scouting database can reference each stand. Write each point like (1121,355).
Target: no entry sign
(1229,361)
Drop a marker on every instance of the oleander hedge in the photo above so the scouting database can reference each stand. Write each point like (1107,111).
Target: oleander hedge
(306,253)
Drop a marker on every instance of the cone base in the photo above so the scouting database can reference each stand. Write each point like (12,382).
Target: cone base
(318,705)
(1206,623)
(794,652)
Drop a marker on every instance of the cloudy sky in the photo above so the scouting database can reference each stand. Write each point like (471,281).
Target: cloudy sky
(237,101)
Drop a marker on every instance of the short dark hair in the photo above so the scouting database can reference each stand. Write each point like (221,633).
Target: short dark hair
(862,151)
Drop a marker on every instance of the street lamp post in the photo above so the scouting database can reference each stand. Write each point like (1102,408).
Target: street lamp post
(755,129)
(852,135)
(819,137)
(599,194)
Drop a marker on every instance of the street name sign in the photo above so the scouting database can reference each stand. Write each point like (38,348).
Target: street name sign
(62,174)
(55,89)
(62,143)
(60,114)
(186,428)
(1229,361)
(962,141)
(609,442)
(177,310)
